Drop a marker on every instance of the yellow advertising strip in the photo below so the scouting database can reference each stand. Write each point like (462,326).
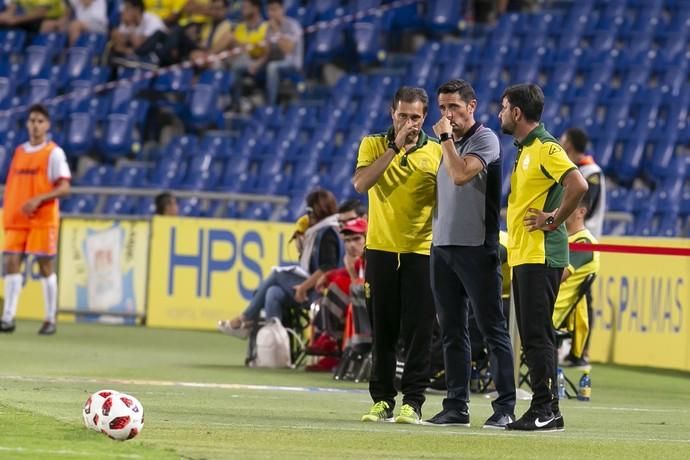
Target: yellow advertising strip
(641,306)
(204,270)
(103,268)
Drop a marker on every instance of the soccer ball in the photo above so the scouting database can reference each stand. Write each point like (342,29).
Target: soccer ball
(92,408)
(121,417)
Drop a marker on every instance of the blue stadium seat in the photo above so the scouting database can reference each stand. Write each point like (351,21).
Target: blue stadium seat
(79,134)
(131,176)
(203,105)
(190,207)
(174,80)
(94,41)
(145,206)
(368,39)
(78,63)
(82,204)
(40,90)
(7,92)
(11,41)
(618,199)
(443,16)
(179,147)
(38,61)
(99,175)
(118,138)
(117,204)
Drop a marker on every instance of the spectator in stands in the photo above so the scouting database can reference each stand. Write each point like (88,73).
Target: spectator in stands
(575,141)
(206,23)
(250,37)
(136,27)
(285,48)
(38,176)
(465,273)
(582,264)
(166,204)
(34,16)
(398,169)
(88,16)
(545,189)
(294,285)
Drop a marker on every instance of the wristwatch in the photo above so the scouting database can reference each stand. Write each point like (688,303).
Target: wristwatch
(392,145)
(550,222)
(445,137)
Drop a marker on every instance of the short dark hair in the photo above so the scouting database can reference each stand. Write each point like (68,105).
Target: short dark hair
(411,94)
(255,3)
(38,108)
(138,4)
(463,88)
(352,204)
(162,201)
(273,2)
(578,138)
(528,97)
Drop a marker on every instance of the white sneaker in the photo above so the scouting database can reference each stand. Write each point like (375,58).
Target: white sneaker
(239,332)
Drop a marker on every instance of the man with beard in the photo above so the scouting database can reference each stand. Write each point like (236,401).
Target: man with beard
(546,187)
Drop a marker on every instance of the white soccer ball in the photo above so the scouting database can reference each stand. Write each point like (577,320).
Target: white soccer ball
(92,408)
(121,417)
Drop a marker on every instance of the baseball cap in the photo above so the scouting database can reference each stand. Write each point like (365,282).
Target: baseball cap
(357,225)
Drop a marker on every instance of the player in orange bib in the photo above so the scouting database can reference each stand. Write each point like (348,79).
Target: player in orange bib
(38,176)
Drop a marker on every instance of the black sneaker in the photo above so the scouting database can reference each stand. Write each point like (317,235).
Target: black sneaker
(499,421)
(450,417)
(534,420)
(47,328)
(7,326)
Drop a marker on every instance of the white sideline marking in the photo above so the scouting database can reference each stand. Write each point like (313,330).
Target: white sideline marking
(239,386)
(447,431)
(72,453)
(224,386)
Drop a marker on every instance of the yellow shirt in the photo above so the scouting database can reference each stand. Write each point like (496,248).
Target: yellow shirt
(164,8)
(402,200)
(253,38)
(540,166)
(187,19)
(55,8)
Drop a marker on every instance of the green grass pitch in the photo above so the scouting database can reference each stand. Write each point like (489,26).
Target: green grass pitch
(202,403)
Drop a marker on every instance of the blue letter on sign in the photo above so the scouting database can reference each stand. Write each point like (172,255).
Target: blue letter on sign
(216,265)
(252,265)
(185,260)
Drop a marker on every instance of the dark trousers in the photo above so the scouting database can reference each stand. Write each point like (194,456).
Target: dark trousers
(464,276)
(401,308)
(535,287)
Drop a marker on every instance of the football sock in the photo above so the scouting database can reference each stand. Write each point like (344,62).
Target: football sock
(13,287)
(49,284)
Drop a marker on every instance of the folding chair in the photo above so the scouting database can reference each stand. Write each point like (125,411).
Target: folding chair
(355,363)
(561,335)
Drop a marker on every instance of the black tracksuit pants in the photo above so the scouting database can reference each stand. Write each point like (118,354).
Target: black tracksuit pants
(401,308)
(535,287)
(465,277)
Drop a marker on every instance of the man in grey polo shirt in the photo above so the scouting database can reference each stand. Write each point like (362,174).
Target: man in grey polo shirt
(465,266)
